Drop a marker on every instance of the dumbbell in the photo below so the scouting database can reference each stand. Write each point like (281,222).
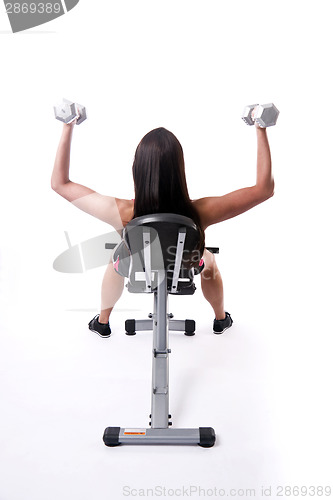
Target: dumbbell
(265,115)
(68,111)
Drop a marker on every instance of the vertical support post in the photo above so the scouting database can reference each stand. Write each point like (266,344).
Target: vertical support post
(147,258)
(160,378)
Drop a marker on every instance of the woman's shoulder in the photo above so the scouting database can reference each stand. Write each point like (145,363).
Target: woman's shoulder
(200,207)
(126,210)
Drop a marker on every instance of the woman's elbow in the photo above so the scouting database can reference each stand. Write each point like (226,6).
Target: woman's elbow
(266,192)
(54,186)
(269,192)
(58,185)
(271,189)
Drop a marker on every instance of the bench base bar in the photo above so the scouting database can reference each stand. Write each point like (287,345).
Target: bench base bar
(202,436)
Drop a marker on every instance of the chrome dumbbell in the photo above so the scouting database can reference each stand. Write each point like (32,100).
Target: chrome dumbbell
(68,111)
(265,115)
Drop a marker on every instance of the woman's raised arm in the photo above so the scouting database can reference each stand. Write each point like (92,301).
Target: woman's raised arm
(60,182)
(105,208)
(219,208)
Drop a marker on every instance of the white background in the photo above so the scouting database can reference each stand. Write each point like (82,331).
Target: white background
(265,385)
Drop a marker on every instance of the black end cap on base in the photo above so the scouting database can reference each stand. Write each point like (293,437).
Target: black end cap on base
(111,436)
(207,437)
(130,327)
(189,327)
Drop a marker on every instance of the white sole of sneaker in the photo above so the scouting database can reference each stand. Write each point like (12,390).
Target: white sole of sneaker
(102,336)
(227,328)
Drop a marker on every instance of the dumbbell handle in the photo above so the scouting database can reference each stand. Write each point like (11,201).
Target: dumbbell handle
(82,114)
(247,114)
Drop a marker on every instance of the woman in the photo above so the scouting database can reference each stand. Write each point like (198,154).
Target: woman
(160,186)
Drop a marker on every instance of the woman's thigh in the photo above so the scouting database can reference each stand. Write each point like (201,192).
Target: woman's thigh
(209,259)
(210,268)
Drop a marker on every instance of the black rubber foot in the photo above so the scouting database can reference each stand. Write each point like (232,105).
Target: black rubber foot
(130,327)
(111,436)
(169,416)
(207,437)
(189,327)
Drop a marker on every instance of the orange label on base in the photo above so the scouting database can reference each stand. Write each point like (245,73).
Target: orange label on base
(135,432)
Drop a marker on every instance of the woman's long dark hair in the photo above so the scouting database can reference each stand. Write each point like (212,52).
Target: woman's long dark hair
(159,178)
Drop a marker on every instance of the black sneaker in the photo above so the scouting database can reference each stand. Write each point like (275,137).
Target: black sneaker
(102,329)
(222,324)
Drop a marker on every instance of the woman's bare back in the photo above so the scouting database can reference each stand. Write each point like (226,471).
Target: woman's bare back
(212,209)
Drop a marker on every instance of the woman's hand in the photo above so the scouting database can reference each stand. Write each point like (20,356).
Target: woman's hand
(253,114)
(70,124)
(74,120)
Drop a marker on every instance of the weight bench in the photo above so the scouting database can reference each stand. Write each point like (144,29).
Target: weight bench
(158,254)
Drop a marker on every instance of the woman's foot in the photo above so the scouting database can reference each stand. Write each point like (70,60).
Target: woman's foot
(220,325)
(102,329)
